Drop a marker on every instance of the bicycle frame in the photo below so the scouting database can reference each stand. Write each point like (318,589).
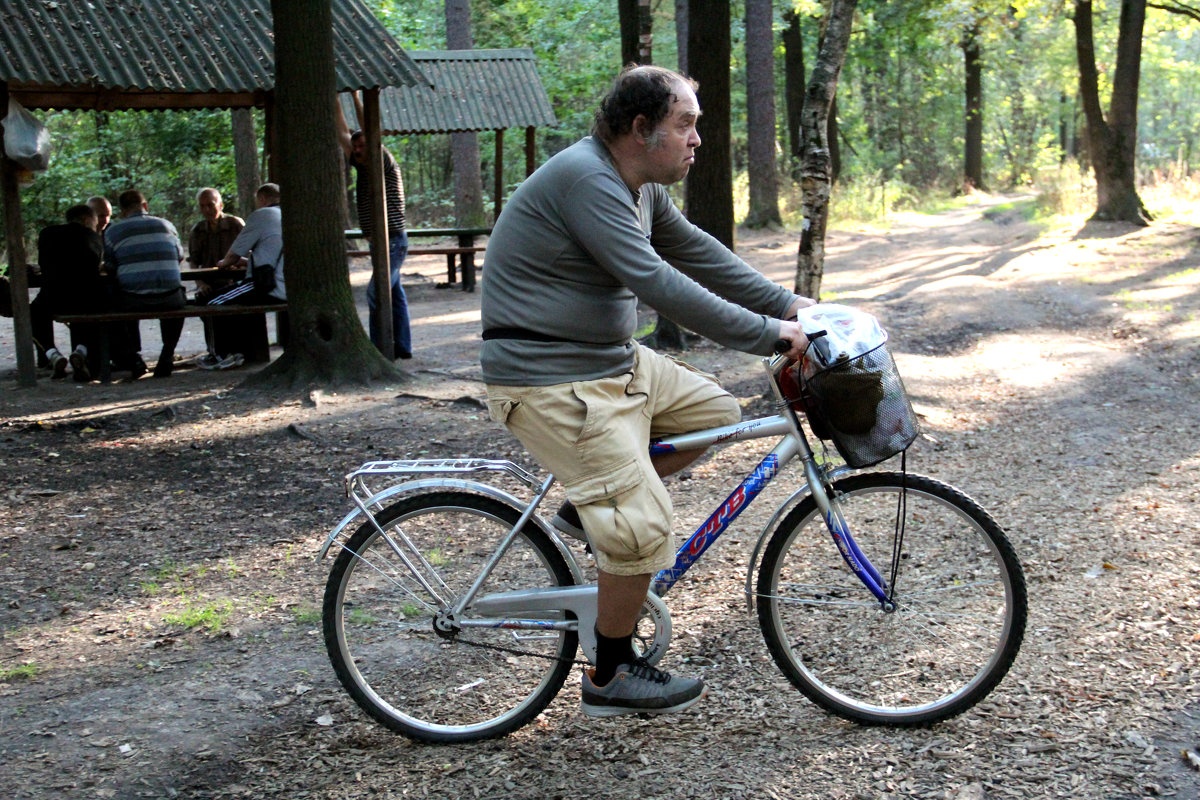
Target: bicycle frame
(543,604)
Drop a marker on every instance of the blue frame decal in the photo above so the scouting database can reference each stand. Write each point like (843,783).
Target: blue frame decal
(717,523)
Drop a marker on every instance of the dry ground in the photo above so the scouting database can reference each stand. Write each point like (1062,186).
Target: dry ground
(159,597)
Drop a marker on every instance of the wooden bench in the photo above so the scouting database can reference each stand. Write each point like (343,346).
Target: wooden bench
(259,352)
(462,254)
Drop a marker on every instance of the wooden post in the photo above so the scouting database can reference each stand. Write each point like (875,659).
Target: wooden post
(499,191)
(381,267)
(530,151)
(18,277)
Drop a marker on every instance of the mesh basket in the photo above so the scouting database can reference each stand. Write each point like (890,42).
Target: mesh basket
(860,404)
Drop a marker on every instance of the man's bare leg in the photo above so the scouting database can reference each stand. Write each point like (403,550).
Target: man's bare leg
(619,602)
(669,463)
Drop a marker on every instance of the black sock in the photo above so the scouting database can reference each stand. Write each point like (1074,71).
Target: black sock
(610,654)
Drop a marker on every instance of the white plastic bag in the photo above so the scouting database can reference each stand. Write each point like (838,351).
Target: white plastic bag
(26,141)
(849,333)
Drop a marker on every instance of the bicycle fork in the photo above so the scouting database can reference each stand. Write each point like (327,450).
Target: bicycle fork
(854,557)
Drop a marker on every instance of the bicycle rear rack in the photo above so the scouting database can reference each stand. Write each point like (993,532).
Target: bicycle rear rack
(356,481)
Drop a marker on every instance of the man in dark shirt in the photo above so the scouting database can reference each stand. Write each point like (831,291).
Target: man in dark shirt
(354,145)
(70,256)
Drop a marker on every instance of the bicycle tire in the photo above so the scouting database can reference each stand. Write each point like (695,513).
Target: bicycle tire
(378,621)
(960,595)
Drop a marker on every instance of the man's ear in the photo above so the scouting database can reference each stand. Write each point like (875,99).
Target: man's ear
(641,128)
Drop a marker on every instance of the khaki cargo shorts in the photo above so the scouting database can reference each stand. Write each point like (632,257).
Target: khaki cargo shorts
(594,436)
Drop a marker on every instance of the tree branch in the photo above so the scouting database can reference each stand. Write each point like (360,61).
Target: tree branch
(1177,7)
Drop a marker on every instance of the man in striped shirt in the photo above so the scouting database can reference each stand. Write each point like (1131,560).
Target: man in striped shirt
(354,145)
(142,254)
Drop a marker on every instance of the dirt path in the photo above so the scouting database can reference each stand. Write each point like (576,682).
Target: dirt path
(160,605)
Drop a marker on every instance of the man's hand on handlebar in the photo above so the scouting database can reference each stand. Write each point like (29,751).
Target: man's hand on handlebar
(792,341)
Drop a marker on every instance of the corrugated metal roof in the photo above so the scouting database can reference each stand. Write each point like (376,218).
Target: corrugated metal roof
(473,90)
(102,49)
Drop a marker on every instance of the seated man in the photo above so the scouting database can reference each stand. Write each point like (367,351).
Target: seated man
(70,257)
(142,253)
(260,245)
(208,242)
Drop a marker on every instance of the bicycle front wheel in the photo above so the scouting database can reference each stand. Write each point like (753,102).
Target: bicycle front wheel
(384,592)
(958,589)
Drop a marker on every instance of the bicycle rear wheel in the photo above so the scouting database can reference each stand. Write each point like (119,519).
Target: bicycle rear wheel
(959,591)
(463,685)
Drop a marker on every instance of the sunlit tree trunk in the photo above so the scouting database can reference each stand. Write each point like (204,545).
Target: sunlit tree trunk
(815,177)
(1112,143)
(328,345)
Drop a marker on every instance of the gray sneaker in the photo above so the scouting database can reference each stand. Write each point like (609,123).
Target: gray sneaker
(567,521)
(639,688)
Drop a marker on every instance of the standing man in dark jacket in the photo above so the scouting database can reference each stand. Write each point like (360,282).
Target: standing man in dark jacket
(354,145)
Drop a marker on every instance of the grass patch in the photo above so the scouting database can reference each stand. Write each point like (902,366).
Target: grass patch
(358,616)
(210,616)
(21,673)
(307,615)
(1125,297)
(1184,274)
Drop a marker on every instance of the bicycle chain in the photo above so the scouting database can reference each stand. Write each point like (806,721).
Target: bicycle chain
(515,652)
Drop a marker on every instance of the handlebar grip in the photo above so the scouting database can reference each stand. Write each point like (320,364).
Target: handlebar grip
(782,346)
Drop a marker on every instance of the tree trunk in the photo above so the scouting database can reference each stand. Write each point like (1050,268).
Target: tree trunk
(973,146)
(835,143)
(760,116)
(327,345)
(815,169)
(709,190)
(637,41)
(103,147)
(637,31)
(627,19)
(464,147)
(245,158)
(793,87)
(1112,144)
(681,35)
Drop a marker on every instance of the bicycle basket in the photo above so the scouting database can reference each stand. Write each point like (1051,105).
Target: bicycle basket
(863,407)
(854,398)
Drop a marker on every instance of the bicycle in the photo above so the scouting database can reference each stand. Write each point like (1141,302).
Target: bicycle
(454,612)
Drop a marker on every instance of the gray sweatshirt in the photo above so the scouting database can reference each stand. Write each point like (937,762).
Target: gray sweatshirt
(573,252)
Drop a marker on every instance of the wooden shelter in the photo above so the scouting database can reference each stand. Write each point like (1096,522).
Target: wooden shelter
(161,54)
(469,90)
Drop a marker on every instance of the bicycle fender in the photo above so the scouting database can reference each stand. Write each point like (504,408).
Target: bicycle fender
(439,484)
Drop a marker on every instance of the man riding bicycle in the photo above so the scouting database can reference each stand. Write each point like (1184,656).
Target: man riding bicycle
(579,243)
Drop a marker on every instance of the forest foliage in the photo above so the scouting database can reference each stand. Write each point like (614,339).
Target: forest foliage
(900,105)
